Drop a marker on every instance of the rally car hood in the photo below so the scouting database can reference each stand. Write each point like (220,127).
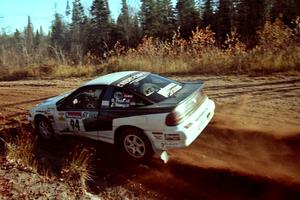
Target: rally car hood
(51,102)
(54,100)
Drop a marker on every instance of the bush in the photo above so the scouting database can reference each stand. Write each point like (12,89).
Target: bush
(20,149)
(77,169)
(277,51)
(48,71)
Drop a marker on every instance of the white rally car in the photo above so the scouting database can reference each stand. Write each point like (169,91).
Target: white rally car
(140,111)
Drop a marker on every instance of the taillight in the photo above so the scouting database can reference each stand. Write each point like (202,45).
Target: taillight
(173,118)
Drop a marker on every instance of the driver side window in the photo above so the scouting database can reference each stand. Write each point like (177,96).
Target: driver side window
(87,99)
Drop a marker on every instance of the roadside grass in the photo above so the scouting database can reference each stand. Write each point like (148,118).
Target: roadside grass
(277,50)
(216,62)
(18,148)
(48,71)
(20,151)
(77,169)
(19,144)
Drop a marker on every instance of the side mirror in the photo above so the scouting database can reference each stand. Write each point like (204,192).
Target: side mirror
(60,107)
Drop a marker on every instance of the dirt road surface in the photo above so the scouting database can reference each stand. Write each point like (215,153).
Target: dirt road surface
(250,150)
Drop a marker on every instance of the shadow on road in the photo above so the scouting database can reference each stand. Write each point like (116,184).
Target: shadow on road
(174,180)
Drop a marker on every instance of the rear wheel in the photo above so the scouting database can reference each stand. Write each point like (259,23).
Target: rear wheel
(44,128)
(135,144)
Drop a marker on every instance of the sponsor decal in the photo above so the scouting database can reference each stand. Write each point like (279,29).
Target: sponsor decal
(105,103)
(158,135)
(93,115)
(75,125)
(74,114)
(169,90)
(171,144)
(188,125)
(50,110)
(85,114)
(61,116)
(129,96)
(208,115)
(133,79)
(121,100)
(172,136)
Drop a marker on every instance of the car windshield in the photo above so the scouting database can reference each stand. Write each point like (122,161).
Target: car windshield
(152,86)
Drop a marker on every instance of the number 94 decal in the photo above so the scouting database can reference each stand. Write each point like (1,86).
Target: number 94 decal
(74,123)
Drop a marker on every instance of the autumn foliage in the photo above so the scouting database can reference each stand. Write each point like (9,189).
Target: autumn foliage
(277,50)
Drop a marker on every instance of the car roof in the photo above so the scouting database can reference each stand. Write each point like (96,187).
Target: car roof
(109,78)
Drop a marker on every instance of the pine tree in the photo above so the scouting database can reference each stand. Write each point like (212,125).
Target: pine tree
(208,16)
(77,13)
(251,16)
(224,19)
(29,36)
(58,32)
(18,42)
(68,9)
(235,19)
(43,42)
(166,17)
(188,17)
(289,9)
(124,24)
(41,31)
(99,35)
(37,41)
(136,29)
(148,17)
(77,48)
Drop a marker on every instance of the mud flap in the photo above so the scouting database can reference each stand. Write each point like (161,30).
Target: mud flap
(164,156)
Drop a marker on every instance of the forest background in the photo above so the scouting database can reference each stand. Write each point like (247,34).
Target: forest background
(211,37)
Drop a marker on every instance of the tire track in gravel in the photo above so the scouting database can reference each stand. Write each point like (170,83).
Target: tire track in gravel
(249,151)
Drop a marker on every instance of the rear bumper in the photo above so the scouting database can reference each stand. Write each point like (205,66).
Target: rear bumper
(185,133)
(198,126)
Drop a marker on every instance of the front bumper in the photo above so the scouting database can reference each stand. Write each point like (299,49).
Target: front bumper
(30,118)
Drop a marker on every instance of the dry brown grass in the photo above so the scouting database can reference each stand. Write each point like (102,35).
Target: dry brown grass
(77,169)
(278,50)
(19,149)
(49,71)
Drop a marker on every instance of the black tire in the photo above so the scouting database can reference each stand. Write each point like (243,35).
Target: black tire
(44,128)
(135,144)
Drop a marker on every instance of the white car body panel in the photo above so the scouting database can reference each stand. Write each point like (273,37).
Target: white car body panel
(109,78)
(161,136)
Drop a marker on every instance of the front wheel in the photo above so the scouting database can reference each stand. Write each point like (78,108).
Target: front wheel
(135,144)
(44,128)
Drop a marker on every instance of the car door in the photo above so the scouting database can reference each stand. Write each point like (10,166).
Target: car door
(81,112)
(119,104)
